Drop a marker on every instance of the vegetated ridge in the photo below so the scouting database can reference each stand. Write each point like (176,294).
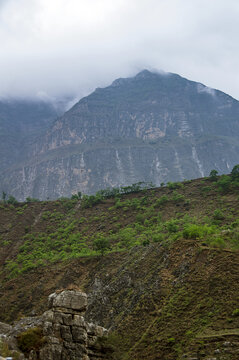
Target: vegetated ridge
(160,265)
(151,127)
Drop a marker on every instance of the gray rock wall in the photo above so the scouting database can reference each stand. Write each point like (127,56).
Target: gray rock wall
(68,336)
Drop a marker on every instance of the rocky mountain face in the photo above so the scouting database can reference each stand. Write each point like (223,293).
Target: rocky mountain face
(151,127)
(21,121)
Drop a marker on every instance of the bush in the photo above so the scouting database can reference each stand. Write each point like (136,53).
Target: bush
(193,231)
(12,200)
(146,242)
(224,183)
(101,244)
(157,237)
(31,339)
(177,197)
(29,199)
(213,175)
(235,172)
(140,218)
(174,185)
(161,201)
(172,226)
(218,215)
(217,242)
(235,312)
(91,200)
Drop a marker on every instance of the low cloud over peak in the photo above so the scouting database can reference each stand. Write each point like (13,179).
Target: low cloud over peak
(60,48)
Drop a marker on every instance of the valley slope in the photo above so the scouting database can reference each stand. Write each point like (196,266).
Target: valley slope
(168,285)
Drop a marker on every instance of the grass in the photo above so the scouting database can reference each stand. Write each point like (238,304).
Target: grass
(166,260)
(133,220)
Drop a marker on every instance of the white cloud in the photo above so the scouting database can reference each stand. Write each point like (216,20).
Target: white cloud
(61,47)
(204,89)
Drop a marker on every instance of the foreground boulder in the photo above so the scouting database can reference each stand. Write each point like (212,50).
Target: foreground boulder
(61,333)
(66,333)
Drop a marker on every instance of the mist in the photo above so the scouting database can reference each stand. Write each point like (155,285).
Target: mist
(54,49)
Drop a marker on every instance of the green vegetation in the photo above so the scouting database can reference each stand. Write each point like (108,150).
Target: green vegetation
(31,339)
(91,200)
(132,217)
(165,257)
(213,175)
(101,244)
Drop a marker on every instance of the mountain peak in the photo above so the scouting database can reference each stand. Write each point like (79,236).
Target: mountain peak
(143,74)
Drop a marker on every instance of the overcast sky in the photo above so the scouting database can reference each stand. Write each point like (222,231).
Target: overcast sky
(52,48)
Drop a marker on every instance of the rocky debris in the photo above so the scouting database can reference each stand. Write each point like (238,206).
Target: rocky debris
(9,334)
(5,328)
(217,348)
(67,334)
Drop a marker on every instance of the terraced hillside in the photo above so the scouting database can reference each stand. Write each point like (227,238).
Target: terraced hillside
(160,266)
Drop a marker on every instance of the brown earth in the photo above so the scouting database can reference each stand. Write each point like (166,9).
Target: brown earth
(161,301)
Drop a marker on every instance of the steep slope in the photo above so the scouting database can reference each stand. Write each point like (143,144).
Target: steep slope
(21,121)
(152,127)
(167,288)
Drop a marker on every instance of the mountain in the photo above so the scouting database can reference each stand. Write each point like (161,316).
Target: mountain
(20,122)
(167,284)
(155,127)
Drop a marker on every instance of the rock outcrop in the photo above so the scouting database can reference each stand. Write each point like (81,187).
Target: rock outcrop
(68,336)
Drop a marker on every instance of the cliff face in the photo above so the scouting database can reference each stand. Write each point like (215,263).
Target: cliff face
(152,127)
(21,121)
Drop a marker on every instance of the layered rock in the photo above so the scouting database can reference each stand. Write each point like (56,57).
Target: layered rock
(68,336)
(151,127)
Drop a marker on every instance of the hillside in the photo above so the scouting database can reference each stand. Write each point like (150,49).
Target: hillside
(155,127)
(167,285)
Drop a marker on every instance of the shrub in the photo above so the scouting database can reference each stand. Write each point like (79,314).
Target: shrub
(171,226)
(171,340)
(4,196)
(213,175)
(101,244)
(146,242)
(174,185)
(224,183)
(91,200)
(218,215)
(12,200)
(140,218)
(235,172)
(163,200)
(31,339)
(206,189)
(193,231)
(177,197)
(157,237)
(235,312)
(217,242)
(29,199)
